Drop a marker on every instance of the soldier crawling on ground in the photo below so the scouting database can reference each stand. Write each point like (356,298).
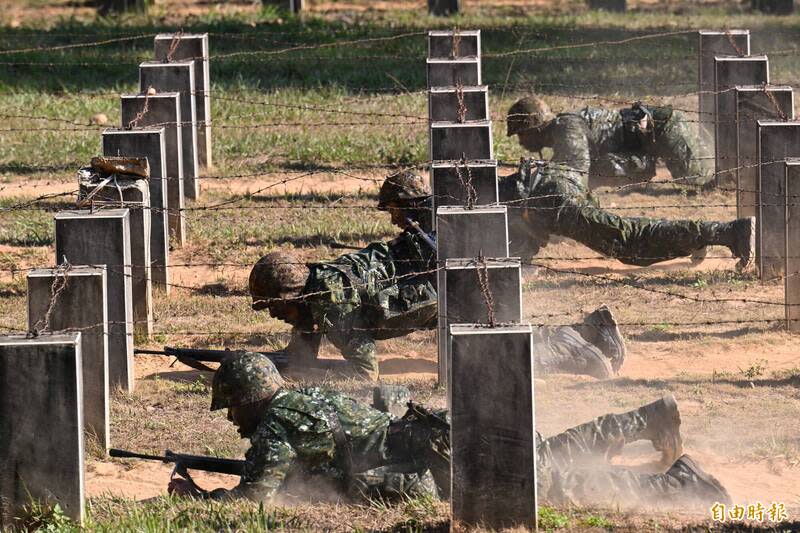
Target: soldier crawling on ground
(546,198)
(613,147)
(387,290)
(324,437)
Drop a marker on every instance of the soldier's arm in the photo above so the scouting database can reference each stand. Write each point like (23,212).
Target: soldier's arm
(571,143)
(267,464)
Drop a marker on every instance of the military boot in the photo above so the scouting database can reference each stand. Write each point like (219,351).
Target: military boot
(563,350)
(740,237)
(663,427)
(602,331)
(697,484)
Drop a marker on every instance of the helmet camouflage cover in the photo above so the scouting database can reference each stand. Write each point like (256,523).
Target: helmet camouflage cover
(276,275)
(244,378)
(526,114)
(402,187)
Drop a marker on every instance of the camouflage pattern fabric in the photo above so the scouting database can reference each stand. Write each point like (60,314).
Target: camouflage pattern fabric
(573,470)
(385,290)
(550,199)
(297,435)
(611,144)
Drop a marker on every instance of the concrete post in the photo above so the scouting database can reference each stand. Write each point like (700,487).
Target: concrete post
(458,104)
(41,424)
(451,182)
(730,72)
(491,399)
(103,238)
(178,76)
(461,299)
(163,110)
(149,143)
(792,247)
(452,141)
(463,71)
(777,141)
(710,45)
(79,302)
(135,195)
(444,8)
(754,103)
(446,44)
(193,47)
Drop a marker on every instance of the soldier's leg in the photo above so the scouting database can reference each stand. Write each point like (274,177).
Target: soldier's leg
(563,350)
(685,483)
(605,436)
(645,241)
(685,155)
(391,482)
(359,349)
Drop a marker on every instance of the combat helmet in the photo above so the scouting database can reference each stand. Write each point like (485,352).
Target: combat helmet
(276,275)
(244,378)
(526,114)
(401,188)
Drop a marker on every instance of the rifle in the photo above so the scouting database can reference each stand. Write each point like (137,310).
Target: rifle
(425,237)
(196,357)
(183,462)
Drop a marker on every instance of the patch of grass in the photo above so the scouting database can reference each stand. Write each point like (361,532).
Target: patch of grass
(755,370)
(549,518)
(597,521)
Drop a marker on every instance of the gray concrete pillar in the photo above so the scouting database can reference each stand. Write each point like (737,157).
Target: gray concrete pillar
(103,238)
(163,110)
(614,6)
(41,424)
(730,72)
(491,402)
(446,44)
(75,299)
(792,267)
(149,143)
(444,8)
(458,104)
(451,141)
(461,299)
(193,47)
(135,195)
(463,71)
(711,44)
(777,141)
(454,183)
(466,233)
(754,103)
(178,76)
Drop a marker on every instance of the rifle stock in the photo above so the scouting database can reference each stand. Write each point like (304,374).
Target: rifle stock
(195,357)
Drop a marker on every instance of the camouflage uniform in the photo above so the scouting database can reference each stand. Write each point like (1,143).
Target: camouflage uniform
(550,199)
(384,291)
(317,434)
(606,145)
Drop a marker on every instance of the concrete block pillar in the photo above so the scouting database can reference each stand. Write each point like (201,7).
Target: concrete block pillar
(493,438)
(730,72)
(149,143)
(754,103)
(456,183)
(155,111)
(193,47)
(711,44)
(133,194)
(103,238)
(465,71)
(452,141)
(792,244)
(458,104)
(178,76)
(777,141)
(447,44)
(75,299)
(41,424)
(462,300)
